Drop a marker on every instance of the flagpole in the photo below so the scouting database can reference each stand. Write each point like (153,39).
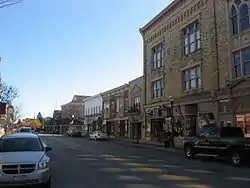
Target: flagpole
(1,85)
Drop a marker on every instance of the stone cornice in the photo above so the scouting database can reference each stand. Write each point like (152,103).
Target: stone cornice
(176,20)
(115,90)
(161,15)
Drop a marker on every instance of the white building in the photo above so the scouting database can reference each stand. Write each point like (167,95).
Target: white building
(93,112)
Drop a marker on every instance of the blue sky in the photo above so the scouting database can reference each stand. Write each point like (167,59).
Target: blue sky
(53,49)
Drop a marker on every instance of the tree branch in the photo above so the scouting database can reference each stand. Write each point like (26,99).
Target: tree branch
(7,3)
(9,93)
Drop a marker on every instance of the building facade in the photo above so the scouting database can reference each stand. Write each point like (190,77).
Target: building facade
(238,100)
(186,64)
(93,112)
(74,109)
(115,109)
(135,109)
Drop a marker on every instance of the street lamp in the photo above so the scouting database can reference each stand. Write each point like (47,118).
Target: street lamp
(172,120)
(72,118)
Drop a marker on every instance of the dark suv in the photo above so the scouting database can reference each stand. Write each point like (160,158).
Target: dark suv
(221,142)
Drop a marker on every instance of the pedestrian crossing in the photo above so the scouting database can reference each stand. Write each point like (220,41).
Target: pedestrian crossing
(134,168)
(129,168)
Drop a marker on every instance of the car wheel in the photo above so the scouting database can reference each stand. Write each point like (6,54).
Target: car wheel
(188,151)
(167,144)
(47,184)
(235,158)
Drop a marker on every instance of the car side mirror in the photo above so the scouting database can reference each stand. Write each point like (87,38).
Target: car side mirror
(48,148)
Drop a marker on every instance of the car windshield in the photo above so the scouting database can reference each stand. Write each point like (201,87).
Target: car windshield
(25,130)
(20,144)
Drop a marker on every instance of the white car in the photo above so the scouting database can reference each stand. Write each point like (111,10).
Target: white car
(98,135)
(24,161)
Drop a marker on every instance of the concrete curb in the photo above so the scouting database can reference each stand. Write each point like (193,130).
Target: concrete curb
(142,145)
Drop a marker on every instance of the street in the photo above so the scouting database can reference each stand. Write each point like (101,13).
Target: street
(79,162)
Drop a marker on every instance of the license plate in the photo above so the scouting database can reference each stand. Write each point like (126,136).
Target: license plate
(20,177)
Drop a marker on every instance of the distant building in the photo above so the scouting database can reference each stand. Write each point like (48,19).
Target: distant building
(115,106)
(74,109)
(93,112)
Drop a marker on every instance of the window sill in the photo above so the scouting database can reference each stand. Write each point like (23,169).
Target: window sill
(192,91)
(240,78)
(198,51)
(157,69)
(240,33)
(158,99)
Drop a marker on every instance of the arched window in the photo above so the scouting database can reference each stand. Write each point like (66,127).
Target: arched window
(234,18)
(244,17)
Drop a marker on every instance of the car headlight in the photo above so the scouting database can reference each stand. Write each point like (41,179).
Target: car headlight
(43,164)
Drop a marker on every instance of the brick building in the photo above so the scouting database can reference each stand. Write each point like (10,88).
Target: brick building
(188,58)
(135,109)
(115,111)
(74,108)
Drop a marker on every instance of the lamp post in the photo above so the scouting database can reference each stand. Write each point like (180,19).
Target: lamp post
(172,120)
(72,118)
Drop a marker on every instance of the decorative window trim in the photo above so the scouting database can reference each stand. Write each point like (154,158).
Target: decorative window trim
(191,39)
(157,60)
(187,81)
(240,72)
(237,6)
(157,89)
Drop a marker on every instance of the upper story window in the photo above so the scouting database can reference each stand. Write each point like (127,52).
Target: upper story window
(157,56)
(157,88)
(239,16)
(234,18)
(191,78)
(126,105)
(241,63)
(136,102)
(192,38)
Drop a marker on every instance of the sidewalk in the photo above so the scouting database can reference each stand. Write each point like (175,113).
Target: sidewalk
(148,144)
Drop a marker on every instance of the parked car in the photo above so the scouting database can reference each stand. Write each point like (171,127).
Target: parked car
(220,142)
(24,161)
(98,135)
(68,132)
(74,133)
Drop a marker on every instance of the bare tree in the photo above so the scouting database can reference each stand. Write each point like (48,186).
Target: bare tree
(9,93)
(17,114)
(7,3)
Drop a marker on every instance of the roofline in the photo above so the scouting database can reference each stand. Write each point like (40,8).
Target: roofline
(116,88)
(157,17)
(136,79)
(92,97)
(72,103)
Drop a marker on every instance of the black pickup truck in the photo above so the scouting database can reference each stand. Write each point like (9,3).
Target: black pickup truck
(222,142)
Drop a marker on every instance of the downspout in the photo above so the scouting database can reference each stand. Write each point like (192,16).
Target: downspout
(228,84)
(217,60)
(216,46)
(144,82)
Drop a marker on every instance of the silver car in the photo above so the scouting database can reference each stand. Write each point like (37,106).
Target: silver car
(23,161)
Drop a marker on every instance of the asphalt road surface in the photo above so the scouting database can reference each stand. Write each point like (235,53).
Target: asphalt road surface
(79,162)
